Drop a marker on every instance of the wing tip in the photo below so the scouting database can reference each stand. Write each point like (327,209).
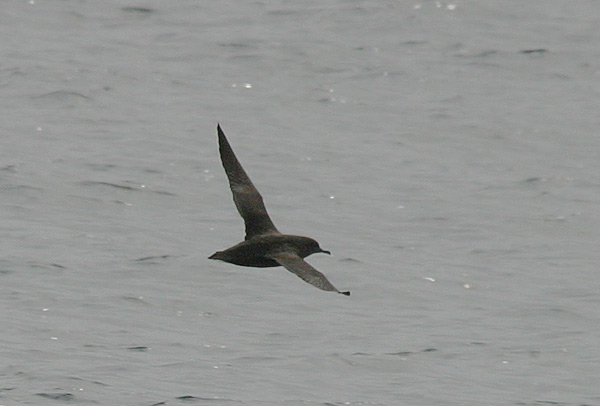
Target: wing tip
(346,293)
(223,143)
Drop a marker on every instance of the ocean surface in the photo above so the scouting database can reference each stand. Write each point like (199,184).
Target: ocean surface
(447,153)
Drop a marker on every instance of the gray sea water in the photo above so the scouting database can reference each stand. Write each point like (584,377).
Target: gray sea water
(447,153)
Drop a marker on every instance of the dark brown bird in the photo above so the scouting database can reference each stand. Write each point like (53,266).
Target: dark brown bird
(264,246)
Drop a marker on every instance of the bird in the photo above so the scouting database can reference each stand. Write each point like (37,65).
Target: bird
(264,246)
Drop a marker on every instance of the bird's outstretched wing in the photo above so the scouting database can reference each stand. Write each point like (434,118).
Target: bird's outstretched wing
(246,197)
(304,270)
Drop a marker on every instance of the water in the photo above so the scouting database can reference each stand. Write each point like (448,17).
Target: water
(446,153)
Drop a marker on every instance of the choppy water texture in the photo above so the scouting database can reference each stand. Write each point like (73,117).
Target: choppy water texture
(446,153)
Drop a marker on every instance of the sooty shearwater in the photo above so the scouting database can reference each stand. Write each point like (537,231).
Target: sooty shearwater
(264,246)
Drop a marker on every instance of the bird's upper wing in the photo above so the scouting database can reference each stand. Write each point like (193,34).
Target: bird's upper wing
(246,197)
(304,270)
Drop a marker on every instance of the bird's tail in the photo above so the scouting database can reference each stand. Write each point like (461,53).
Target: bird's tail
(217,255)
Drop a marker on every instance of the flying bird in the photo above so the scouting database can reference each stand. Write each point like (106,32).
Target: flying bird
(264,246)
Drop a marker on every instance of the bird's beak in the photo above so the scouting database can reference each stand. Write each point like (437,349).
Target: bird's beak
(326,252)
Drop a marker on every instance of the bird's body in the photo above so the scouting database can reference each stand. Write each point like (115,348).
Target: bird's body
(256,251)
(264,245)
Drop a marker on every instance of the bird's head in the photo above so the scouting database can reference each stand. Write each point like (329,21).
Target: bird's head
(313,247)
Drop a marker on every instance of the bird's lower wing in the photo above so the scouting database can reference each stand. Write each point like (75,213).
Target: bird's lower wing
(305,271)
